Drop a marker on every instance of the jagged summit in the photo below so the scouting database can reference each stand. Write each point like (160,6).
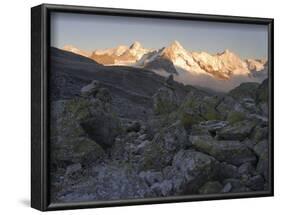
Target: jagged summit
(176,45)
(136,45)
(226,51)
(220,66)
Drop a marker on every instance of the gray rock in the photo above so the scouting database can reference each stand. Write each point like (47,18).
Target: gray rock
(213,125)
(261,149)
(73,171)
(229,104)
(249,104)
(227,188)
(260,133)
(164,188)
(232,152)
(142,137)
(211,187)
(236,185)
(263,167)
(175,137)
(228,171)
(69,142)
(256,183)
(249,143)
(246,169)
(264,108)
(102,127)
(164,101)
(151,177)
(140,148)
(161,150)
(90,89)
(108,182)
(133,126)
(103,95)
(238,131)
(191,170)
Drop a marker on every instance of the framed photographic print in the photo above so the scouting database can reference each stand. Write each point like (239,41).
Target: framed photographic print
(140,107)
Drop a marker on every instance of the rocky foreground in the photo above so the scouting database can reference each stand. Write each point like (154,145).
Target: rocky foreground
(191,142)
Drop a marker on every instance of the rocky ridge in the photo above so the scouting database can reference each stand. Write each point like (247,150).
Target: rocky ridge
(200,144)
(191,142)
(221,66)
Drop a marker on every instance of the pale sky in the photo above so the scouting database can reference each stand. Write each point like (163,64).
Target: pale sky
(90,32)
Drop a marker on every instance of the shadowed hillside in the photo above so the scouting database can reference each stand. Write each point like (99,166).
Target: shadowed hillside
(121,132)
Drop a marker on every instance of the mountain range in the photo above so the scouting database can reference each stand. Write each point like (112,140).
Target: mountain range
(222,71)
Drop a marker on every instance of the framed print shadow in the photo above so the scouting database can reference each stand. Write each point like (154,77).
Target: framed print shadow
(141,107)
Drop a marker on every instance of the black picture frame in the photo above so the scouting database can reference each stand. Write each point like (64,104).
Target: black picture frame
(40,37)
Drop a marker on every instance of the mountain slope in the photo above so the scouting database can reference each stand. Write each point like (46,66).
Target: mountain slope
(223,65)
(73,49)
(195,68)
(131,88)
(121,55)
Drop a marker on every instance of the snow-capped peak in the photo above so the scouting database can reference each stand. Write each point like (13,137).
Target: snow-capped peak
(181,58)
(222,65)
(73,49)
(255,65)
(136,45)
(176,45)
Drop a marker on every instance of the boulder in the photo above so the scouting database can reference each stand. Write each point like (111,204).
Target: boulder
(90,89)
(264,109)
(263,167)
(246,169)
(202,107)
(72,172)
(91,116)
(256,183)
(165,101)
(175,137)
(165,144)
(102,127)
(261,149)
(236,116)
(107,182)
(228,171)
(238,131)
(211,187)
(133,126)
(232,152)
(140,148)
(103,95)
(213,125)
(236,185)
(69,142)
(228,104)
(260,133)
(191,170)
(76,149)
(164,188)
(151,177)
(227,188)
